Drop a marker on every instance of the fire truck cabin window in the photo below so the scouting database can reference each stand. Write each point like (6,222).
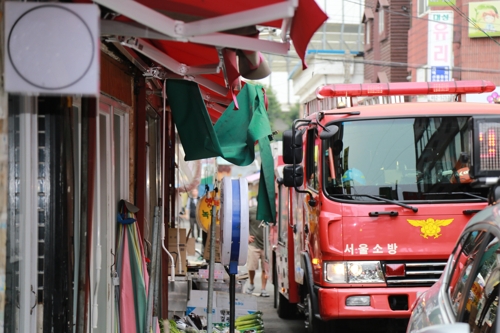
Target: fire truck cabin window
(405,159)
(313,142)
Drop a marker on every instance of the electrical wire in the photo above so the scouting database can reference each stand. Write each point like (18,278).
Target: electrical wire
(422,18)
(453,6)
(461,13)
(396,64)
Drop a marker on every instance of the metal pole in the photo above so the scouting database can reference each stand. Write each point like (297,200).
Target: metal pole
(156,309)
(232,300)
(211,270)
(152,277)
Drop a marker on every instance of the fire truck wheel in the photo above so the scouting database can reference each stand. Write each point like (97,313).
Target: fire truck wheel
(313,324)
(286,310)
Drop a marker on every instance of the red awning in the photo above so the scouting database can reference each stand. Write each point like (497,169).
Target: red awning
(211,42)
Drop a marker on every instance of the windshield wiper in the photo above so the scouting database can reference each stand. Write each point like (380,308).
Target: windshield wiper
(415,209)
(465,193)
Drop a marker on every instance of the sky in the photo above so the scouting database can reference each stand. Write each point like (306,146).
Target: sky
(352,9)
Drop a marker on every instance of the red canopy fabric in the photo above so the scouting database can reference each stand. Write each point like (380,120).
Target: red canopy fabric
(306,19)
(308,16)
(210,8)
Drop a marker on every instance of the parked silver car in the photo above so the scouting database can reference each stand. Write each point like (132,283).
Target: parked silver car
(465,299)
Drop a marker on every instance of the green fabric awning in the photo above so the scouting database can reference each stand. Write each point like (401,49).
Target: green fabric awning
(192,121)
(266,208)
(239,130)
(233,137)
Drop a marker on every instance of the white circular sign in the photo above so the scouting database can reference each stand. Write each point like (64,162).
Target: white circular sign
(48,53)
(234,221)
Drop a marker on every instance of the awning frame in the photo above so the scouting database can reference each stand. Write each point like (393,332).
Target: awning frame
(170,63)
(133,29)
(190,73)
(205,31)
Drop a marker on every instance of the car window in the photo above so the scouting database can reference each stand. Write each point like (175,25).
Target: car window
(463,259)
(481,307)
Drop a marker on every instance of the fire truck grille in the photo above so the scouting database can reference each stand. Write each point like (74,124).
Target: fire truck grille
(414,274)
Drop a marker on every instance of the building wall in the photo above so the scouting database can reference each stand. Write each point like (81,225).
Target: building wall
(399,23)
(372,46)
(474,58)
(477,53)
(336,69)
(387,51)
(417,41)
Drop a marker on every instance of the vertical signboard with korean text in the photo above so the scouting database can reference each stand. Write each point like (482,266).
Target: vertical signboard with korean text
(440,48)
(440,51)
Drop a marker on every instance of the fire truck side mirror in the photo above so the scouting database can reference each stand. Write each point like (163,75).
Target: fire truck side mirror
(293,177)
(328,132)
(292,146)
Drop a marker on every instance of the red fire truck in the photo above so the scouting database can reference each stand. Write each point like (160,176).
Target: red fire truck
(372,198)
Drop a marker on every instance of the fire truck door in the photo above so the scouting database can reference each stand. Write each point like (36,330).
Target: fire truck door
(298,237)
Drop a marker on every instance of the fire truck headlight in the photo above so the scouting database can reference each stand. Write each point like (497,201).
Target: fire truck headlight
(355,269)
(354,272)
(335,272)
(364,272)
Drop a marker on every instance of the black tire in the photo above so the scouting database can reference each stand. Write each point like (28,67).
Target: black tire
(315,325)
(286,310)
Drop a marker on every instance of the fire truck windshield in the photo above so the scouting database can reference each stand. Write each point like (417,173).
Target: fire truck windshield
(404,159)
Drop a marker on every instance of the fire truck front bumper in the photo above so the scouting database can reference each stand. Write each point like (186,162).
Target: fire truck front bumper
(345,303)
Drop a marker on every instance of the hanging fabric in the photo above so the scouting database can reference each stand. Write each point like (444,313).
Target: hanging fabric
(192,120)
(266,208)
(132,272)
(233,136)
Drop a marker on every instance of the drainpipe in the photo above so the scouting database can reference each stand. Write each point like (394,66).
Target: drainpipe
(163,152)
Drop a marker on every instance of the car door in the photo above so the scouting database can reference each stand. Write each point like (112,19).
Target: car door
(474,282)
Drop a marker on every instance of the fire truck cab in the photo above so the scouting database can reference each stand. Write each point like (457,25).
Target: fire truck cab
(372,199)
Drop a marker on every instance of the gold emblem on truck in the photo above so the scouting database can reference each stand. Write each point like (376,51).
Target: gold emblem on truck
(430,227)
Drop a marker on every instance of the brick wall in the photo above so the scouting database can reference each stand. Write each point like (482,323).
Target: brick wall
(477,53)
(478,58)
(390,47)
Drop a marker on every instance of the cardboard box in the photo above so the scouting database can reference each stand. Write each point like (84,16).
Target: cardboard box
(172,236)
(179,253)
(244,304)
(242,301)
(198,302)
(219,273)
(191,247)
(206,253)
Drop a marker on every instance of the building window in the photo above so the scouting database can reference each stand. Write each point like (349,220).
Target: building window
(382,29)
(368,33)
(368,23)
(423,7)
(381,21)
